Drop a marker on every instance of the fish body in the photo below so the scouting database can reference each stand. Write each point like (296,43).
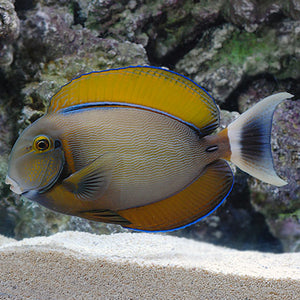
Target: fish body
(134,146)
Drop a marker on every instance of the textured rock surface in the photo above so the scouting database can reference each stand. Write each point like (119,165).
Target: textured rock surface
(240,51)
(222,64)
(74,265)
(9,31)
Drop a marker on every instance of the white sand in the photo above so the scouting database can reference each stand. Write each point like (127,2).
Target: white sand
(76,265)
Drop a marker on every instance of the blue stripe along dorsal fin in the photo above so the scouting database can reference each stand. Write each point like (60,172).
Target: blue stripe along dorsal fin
(142,86)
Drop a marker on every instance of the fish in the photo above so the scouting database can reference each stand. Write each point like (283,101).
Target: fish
(139,146)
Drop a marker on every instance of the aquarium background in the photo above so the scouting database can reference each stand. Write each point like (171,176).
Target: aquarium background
(239,51)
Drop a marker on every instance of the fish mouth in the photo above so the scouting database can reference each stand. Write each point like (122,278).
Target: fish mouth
(13,185)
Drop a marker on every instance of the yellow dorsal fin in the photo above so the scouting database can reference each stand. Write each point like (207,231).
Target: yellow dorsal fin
(149,87)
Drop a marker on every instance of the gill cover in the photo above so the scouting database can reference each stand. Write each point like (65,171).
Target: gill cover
(35,163)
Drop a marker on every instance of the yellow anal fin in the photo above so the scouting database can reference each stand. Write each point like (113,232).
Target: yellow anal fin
(151,87)
(188,206)
(104,215)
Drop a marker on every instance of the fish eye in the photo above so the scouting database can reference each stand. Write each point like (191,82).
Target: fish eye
(42,143)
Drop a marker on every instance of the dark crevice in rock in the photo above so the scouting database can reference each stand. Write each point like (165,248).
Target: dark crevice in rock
(79,18)
(174,56)
(8,224)
(21,5)
(248,228)
(275,18)
(10,89)
(293,87)
(231,102)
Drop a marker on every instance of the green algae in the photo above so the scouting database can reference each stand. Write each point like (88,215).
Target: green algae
(288,215)
(242,45)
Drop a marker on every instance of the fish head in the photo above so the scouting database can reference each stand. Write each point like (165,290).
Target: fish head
(36,160)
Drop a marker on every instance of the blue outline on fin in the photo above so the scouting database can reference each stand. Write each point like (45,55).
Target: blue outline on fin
(194,222)
(72,109)
(155,68)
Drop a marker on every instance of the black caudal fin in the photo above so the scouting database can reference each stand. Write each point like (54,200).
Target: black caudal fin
(250,137)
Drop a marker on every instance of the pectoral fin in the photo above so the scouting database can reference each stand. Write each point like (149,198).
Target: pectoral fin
(91,181)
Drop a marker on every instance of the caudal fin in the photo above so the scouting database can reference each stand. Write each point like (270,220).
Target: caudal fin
(250,137)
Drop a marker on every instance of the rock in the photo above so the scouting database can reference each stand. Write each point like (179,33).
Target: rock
(292,8)
(9,24)
(9,31)
(142,266)
(35,220)
(53,75)
(242,13)
(162,27)
(47,34)
(51,51)
(225,56)
(251,14)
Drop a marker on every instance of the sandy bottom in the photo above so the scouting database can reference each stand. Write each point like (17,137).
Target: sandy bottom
(77,265)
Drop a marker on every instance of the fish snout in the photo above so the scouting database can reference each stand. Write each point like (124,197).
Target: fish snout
(13,185)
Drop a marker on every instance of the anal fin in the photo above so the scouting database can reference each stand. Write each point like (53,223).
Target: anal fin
(190,205)
(104,215)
